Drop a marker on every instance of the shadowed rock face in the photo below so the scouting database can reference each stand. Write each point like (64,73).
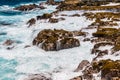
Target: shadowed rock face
(53,40)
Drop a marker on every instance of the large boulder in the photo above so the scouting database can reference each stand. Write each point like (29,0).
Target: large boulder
(53,40)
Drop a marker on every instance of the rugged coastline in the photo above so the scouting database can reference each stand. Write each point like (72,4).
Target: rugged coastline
(75,26)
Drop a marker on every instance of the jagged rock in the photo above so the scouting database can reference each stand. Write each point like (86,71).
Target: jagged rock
(49,46)
(72,2)
(79,33)
(96,46)
(53,20)
(31,22)
(52,40)
(50,2)
(83,64)
(109,68)
(86,39)
(75,15)
(8,42)
(61,19)
(44,16)
(69,43)
(88,76)
(77,78)
(88,73)
(27,46)
(26,7)
(9,48)
(106,32)
(37,77)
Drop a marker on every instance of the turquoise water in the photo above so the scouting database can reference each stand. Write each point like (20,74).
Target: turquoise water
(13,26)
(7,69)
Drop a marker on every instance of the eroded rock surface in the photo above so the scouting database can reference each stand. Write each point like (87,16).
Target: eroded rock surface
(53,40)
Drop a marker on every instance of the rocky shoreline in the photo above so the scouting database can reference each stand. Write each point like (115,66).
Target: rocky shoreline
(106,24)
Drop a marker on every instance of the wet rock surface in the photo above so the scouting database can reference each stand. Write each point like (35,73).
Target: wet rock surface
(44,16)
(53,40)
(83,64)
(31,22)
(38,77)
(29,7)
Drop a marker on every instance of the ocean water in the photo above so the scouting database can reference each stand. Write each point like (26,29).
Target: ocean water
(12,26)
(15,2)
(19,62)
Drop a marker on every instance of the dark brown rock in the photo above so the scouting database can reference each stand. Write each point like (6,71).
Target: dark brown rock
(86,39)
(109,68)
(69,43)
(8,42)
(79,33)
(44,16)
(83,64)
(26,7)
(31,22)
(27,46)
(77,78)
(37,77)
(53,20)
(75,15)
(53,40)
(50,2)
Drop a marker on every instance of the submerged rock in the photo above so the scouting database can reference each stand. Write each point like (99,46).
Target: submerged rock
(53,40)
(44,16)
(8,42)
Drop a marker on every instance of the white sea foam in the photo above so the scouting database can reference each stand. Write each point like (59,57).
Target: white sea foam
(33,60)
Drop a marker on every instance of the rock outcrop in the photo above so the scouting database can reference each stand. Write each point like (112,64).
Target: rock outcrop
(44,16)
(37,77)
(109,69)
(83,64)
(53,40)
(31,22)
(29,7)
